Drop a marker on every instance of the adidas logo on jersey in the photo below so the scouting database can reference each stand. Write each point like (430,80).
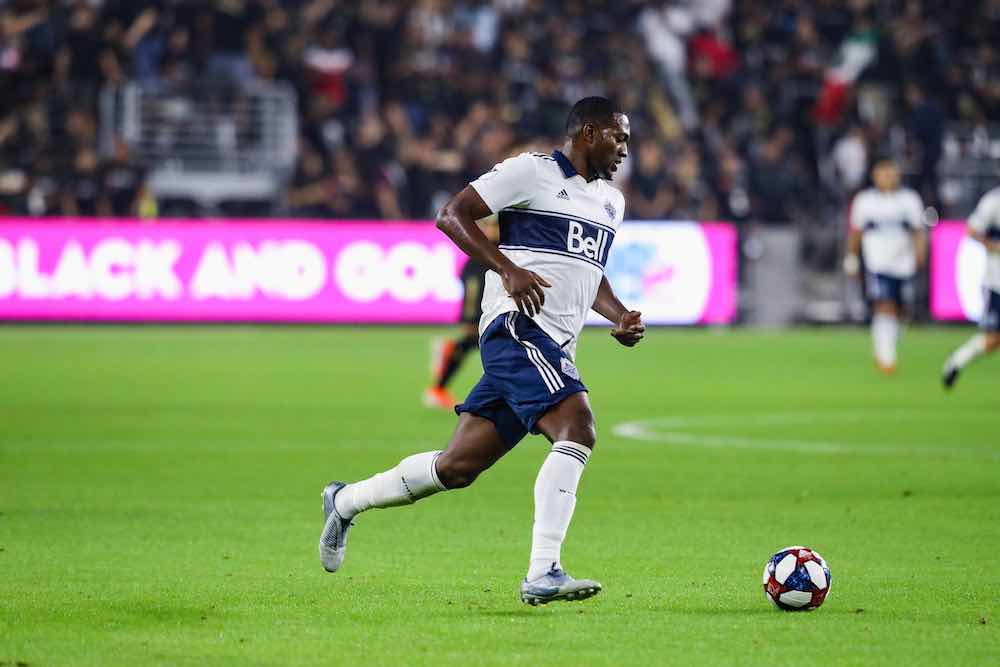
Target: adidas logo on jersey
(563,195)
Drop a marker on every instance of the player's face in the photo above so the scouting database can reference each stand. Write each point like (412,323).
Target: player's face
(886,176)
(610,147)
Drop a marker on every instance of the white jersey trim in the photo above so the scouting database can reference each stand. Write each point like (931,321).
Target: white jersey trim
(549,376)
(549,251)
(557,214)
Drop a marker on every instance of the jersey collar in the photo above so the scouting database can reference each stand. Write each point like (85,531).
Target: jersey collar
(568,170)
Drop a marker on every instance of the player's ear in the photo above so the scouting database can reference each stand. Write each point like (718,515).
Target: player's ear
(589,132)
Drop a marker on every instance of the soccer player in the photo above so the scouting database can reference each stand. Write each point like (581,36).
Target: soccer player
(984,226)
(887,226)
(558,216)
(451,353)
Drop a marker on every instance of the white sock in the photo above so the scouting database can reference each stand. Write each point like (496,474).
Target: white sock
(555,499)
(414,478)
(885,332)
(972,348)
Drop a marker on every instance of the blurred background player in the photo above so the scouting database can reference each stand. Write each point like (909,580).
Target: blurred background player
(984,226)
(887,227)
(449,354)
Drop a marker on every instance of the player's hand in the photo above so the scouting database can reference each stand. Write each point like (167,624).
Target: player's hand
(525,287)
(630,329)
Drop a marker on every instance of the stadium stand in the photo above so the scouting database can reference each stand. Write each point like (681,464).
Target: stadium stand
(748,111)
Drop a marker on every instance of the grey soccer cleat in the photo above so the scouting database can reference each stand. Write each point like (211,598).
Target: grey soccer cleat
(557,585)
(333,540)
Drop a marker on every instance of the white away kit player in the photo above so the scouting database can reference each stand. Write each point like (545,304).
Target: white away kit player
(887,227)
(984,226)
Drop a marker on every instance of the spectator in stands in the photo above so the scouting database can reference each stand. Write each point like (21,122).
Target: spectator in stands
(926,125)
(123,188)
(850,161)
(651,193)
(732,196)
(311,191)
(775,181)
(81,186)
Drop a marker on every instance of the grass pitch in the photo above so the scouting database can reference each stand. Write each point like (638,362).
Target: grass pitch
(160,503)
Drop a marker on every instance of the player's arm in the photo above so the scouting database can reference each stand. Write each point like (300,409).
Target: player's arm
(978,223)
(629,328)
(990,245)
(918,222)
(852,263)
(920,246)
(458,221)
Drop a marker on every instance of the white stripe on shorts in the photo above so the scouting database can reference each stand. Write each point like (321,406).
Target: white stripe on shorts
(549,376)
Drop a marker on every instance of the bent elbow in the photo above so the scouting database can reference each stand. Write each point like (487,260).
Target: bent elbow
(443,217)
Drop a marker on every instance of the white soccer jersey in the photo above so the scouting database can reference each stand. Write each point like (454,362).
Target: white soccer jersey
(555,223)
(888,221)
(986,220)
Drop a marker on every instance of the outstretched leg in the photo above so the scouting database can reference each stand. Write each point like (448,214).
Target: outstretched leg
(979,345)
(475,446)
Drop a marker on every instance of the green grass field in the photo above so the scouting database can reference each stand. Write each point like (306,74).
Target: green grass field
(160,503)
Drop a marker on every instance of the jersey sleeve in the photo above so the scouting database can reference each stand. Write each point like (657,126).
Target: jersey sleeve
(914,210)
(509,183)
(857,220)
(986,211)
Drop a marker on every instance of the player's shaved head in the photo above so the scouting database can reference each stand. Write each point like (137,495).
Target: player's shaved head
(598,111)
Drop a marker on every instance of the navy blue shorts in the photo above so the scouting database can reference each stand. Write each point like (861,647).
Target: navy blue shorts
(881,287)
(525,373)
(990,322)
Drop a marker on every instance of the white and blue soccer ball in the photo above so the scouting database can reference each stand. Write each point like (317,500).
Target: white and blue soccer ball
(796,579)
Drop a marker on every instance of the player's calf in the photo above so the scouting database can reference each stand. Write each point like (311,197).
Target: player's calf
(474,447)
(456,471)
(412,479)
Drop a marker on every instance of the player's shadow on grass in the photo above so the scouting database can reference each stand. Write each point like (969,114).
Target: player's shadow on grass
(507,613)
(764,610)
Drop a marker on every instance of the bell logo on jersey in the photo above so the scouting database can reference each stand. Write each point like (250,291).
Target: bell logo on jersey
(592,247)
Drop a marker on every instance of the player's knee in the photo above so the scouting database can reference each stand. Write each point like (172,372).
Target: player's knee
(886,308)
(574,421)
(992,342)
(582,431)
(586,436)
(457,474)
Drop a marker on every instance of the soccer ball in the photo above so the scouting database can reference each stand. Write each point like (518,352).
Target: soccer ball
(796,579)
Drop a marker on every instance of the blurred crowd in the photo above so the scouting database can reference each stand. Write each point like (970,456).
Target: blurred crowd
(740,110)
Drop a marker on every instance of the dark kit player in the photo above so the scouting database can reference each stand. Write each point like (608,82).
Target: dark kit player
(449,354)
(558,218)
